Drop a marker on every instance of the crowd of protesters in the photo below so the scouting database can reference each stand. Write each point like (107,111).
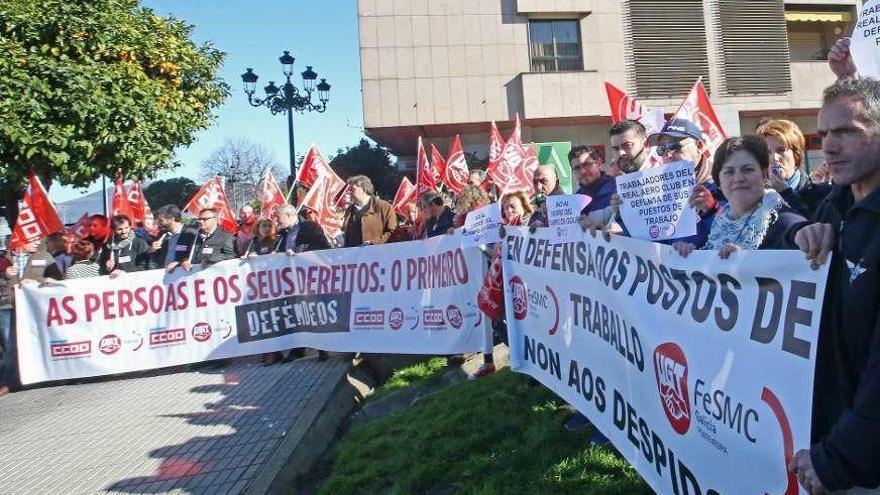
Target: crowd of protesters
(754,192)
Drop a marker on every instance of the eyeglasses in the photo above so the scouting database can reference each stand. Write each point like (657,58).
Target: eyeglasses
(670,147)
(205,219)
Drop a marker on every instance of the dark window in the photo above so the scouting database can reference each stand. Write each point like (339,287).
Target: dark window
(555,45)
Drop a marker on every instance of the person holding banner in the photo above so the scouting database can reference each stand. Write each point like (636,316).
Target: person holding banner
(56,244)
(295,236)
(846,408)
(82,265)
(788,177)
(753,217)
(246,224)
(546,184)
(98,232)
(211,245)
(470,199)
(515,210)
(629,140)
(126,252)
(171,244)
(264,240)
(438,216)
(586,167)
(369,220)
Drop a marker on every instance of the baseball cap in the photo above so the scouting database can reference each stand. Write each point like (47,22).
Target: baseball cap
(677,128)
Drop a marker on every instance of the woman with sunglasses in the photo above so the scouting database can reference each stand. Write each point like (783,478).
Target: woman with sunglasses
(754,217)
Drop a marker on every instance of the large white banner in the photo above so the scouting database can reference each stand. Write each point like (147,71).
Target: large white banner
(415,298)
(699,370)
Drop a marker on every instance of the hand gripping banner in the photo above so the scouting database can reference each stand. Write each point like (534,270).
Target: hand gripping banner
(699,370)
(410,298)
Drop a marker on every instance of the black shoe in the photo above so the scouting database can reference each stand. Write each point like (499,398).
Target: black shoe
(322,355)
(294,354)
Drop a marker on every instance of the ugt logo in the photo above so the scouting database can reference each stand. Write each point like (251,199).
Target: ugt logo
(520,297)
(671,369)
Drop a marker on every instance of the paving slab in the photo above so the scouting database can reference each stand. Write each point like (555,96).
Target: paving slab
(200,431)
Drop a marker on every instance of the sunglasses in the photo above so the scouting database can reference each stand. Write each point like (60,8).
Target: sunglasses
(670,147)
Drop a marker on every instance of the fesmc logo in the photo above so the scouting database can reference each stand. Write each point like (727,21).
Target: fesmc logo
(395,318)
(109,344)
(453,314)
(671,370)
(202,332)
(520,297)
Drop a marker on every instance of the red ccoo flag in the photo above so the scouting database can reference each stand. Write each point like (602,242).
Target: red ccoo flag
(140,209)
(406,195)
(438,165)
(212,195)
(313,167)
(321,199)
(456,174)
(424,174)
(270,195)
(622,106)
(697,108)
(120,204)
(37,217)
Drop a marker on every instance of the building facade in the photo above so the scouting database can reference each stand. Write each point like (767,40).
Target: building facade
(437,68)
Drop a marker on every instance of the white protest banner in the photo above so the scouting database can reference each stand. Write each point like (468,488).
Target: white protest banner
(414,298)
(865,44)
(481,226)
(690,366)
(655,202)
(564,210)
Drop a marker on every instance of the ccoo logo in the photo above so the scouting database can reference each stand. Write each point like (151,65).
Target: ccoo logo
(671,370)
(520,298)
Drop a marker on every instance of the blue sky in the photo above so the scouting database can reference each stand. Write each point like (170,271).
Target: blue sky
(323,34)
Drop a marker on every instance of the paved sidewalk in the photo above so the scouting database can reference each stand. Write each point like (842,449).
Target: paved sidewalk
(204,431)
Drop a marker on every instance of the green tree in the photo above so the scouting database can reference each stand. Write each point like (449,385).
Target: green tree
(371,160)
(89,86)
(176,191)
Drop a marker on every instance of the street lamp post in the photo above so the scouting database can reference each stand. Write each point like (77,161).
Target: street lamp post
(288,98)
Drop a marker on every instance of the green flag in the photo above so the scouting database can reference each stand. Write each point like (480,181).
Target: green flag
(556,154)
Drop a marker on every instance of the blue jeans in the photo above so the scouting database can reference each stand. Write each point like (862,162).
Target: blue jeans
(9,374)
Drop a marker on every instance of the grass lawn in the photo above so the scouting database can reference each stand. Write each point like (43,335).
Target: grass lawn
(494,435)
(424,371)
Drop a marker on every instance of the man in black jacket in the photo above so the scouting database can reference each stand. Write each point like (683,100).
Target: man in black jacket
(295,236)
(125,252)
(211,245)
(438,216)
(846,399)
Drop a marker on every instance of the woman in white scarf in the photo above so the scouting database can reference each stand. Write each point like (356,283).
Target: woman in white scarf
(755,216)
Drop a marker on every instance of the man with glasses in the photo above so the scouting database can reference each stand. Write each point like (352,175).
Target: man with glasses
(211,245)
(546,183)
(586,167)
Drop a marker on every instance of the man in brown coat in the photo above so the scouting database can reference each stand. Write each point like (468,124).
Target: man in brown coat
(369,220)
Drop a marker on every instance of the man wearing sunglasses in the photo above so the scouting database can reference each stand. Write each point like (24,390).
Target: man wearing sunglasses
(211,245)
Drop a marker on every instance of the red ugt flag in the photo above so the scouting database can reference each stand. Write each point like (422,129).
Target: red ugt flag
(81,228)
(622,106)
(424,173)
(697,108)
(406,194)
(37,217)
(456,174)
(517,165)
(212,195)
(321,199)
(438,165)
(496,144)
(270,195)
